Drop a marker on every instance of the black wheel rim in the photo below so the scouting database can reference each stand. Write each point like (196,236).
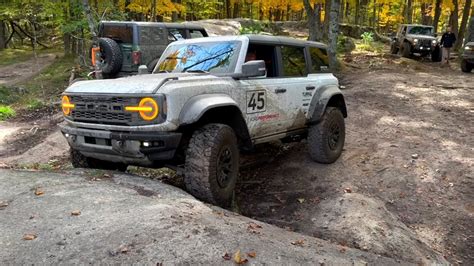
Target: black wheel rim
(334,136)
(224,167)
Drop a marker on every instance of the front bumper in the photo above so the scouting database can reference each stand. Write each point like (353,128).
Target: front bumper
(123,147)
(418,48)
(469,57)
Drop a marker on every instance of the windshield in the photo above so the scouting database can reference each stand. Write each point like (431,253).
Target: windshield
(421,30)
(213,57)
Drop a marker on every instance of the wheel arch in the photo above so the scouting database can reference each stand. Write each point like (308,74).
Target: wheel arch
(205,109)
(328,96)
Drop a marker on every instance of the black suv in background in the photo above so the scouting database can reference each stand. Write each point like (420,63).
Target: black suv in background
(125,45)
(467,60)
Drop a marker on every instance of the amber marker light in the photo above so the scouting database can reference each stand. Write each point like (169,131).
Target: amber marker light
(148,109)
(66,105)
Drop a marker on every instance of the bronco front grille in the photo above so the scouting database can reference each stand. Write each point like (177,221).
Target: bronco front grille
(102,109)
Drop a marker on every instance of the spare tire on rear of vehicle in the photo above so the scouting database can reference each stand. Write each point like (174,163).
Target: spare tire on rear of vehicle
(111,56)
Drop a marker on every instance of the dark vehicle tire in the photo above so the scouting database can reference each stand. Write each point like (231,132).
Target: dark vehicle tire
(80,161)
(112,57)
(326,139)
(212,164)
(466,67)
(406,50)
(436,55)
(152,65)
(393,49)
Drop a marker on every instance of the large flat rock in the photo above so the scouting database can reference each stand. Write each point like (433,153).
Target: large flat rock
(129,219)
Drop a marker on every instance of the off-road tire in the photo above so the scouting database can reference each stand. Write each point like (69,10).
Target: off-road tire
(111,55)
(436,55)
(466,67)
(206,147)
(393,48)
(406,50)
(322,146)
(80,161)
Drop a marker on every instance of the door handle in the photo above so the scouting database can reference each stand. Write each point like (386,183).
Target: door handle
(280,90)
(310,88)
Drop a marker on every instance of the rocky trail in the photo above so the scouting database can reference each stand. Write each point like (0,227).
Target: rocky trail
(402,188)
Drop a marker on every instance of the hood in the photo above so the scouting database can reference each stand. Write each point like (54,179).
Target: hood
(421,37)
(143,84)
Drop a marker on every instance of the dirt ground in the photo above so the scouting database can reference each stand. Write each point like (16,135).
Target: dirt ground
(13,74)
(408,157)
(409,145)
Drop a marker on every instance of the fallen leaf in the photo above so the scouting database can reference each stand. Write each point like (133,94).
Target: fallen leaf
(298,242)
(252,254)
(29,237)
(76,213)
(227,256)
(347,190)
(3,205)
(254,226)
(39,192)
(301,200)
(238,258)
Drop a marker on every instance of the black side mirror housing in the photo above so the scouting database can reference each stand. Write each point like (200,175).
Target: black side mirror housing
(254,68)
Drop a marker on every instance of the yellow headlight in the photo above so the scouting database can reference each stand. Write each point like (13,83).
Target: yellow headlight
(66,105)
(148,109)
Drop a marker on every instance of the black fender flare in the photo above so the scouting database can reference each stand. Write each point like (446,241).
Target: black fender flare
(321,100)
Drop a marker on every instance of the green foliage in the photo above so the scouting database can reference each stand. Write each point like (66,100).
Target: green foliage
(375,47)
(255,28)
(7,95)
(34,104)
(367,37)
(6,112)
(345,44)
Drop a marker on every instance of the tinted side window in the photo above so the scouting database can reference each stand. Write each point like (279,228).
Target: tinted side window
(196,34)
(294,63)
(319,60)
(122,33)
(151,35)
(176,35)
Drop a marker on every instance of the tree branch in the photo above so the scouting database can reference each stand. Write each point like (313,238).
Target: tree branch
(28,35)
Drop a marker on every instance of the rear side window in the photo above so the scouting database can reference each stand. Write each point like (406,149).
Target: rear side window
(319,60)
(196,34)
(294,63)
(151,35)
(176,35)
(121,33)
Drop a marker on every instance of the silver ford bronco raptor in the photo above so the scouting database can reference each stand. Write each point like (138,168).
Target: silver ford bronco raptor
(206,100)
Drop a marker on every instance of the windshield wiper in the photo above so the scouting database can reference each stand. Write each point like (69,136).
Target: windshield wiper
(205,60)
(197,71)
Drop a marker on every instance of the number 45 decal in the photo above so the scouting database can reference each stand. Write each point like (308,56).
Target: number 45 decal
(256,101)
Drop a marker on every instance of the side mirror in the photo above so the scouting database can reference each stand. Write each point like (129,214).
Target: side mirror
(143,70)
(254,68)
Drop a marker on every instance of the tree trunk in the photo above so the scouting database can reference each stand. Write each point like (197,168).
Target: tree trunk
(455,18)
(3,35)
(341,11)
(409,12)
(153,10)
(228,8)
(462,28)
(327,18)
(374,14)
(357,12)
(437,14)
(236,10)
(333,33)
(314,20)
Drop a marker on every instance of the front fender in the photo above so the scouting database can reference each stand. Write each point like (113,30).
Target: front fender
(195,107)
(320,102)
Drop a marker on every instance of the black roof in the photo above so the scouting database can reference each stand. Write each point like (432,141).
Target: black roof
(268,39)
(184,25)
